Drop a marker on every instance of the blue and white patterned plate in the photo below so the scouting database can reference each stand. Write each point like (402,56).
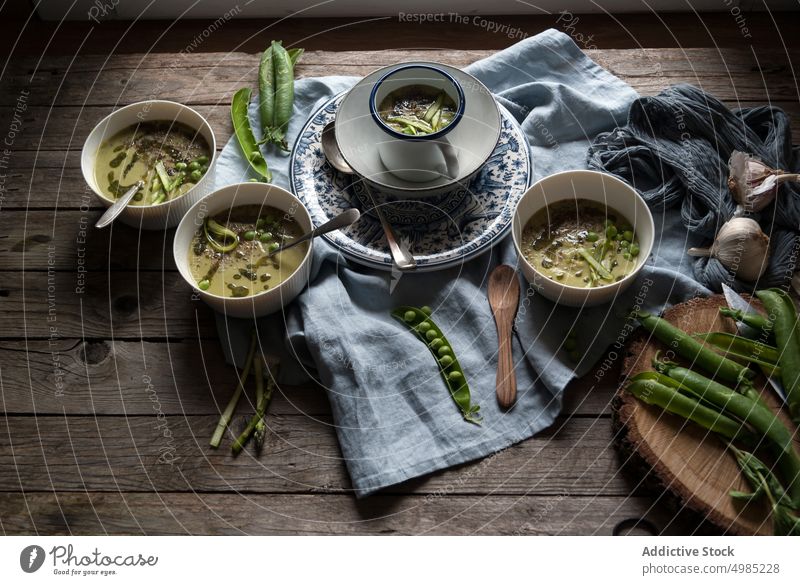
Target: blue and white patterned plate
(442,231)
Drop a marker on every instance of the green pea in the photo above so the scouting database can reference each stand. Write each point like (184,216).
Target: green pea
(249,235)
(195,166)
(204,284)
(627,256)
(409,316)
(624,244)
(592,237)
(179,166)
(196,176)
(446,361)
(273,246)
(139,196)
(628,235)
(444,350)
(634,249)
(266,237)
(203,159)
(437,343)
(570,344)
(260,223)
(253,180)
(424,326)
(611,231)
(431,335)
(455,376)
(427,310)
(203,169)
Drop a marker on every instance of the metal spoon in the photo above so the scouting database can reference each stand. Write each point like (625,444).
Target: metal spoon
(120,204)
(343,219)
(504,300)
(401,255)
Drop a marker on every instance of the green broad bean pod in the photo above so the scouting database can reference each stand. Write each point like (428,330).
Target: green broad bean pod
(284,93)
(418,320)
(244,134)
(783,316)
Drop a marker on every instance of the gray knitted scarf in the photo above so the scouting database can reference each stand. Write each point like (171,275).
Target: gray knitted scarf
(675,150)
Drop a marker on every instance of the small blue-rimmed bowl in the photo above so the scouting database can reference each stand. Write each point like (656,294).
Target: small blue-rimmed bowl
(418,158)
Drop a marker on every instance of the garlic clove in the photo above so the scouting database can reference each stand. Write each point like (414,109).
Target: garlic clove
(741,247)
(753,184)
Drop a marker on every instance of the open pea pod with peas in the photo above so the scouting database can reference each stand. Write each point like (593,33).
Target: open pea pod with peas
(419,321)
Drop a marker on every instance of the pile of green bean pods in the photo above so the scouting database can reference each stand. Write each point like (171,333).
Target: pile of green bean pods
(419,321)
(726,402)
(275,106)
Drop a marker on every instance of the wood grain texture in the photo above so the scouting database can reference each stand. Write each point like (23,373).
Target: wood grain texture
(279,514)
(96,305)
(81,448)
(190,376)
(301,455)
(687,459)
(211,79)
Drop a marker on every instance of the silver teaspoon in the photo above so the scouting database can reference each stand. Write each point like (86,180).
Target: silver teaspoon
(342,220)
(401,255)
(120,204)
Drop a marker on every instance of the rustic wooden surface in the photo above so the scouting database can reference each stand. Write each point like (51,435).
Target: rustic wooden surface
(695,464)
(81,446)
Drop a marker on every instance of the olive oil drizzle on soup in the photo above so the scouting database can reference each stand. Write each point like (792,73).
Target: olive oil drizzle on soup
(580,243)
(228,254)
(169,157)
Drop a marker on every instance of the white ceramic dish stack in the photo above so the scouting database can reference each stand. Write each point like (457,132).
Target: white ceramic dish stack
(474,138)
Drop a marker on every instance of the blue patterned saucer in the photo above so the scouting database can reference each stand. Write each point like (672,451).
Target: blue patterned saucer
(441,231)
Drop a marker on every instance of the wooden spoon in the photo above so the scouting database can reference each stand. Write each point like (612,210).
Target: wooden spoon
(504,300)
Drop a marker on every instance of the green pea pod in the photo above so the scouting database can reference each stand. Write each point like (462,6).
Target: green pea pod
(420,323)
(266,92)
(783,316)
(294,55)
(244,134)
(284,93)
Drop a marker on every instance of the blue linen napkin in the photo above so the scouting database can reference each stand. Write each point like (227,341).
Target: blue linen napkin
(393,415)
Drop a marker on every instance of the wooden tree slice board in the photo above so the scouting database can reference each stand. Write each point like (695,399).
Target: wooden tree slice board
(686,459)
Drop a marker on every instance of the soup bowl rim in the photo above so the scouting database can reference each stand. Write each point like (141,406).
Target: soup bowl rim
(233,188)
(643,223)
(92,167)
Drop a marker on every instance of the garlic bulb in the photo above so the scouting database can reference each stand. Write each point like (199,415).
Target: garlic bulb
(741,247)
(754,184)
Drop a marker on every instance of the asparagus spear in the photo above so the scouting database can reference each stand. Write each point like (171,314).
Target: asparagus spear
(227,415)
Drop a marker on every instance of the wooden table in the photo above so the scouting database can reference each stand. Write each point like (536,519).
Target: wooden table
(112,377)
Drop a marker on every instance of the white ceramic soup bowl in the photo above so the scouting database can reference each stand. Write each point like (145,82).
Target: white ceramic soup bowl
(162,215)
(594,186)
(473,139)
(419,158)
(268,301)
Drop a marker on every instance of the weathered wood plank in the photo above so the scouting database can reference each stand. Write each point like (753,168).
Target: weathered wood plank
(109,377)
(190,377)
(301,454)
(167,513)
(39,239)
(119,305)
(122,79)
(638,61)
